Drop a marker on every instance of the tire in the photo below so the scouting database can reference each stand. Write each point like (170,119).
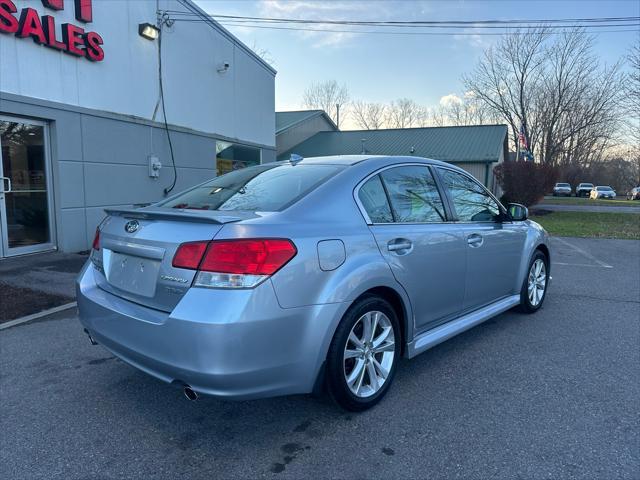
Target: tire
(530,304)
(363,393)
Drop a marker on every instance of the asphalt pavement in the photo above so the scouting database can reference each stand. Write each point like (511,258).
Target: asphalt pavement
(549,395)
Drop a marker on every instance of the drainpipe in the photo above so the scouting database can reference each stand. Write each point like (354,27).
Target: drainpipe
(486,174)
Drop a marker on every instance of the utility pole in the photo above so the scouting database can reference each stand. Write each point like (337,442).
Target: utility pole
(338,115)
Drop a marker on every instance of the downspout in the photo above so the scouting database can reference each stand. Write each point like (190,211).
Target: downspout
(486,175)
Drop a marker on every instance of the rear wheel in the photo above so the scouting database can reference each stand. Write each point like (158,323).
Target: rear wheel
(364,353)
(534,287)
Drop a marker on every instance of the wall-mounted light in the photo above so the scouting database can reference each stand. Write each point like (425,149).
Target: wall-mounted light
(148,31)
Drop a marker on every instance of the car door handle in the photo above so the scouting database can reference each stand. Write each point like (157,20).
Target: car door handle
(400,245)
(7,184)
(475,240)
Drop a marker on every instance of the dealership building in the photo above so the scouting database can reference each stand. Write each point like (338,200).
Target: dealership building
(99,107)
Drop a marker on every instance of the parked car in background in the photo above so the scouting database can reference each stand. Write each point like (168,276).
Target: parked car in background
(602,191)
(562,189)
(634,194)
(584,189)
(279,278)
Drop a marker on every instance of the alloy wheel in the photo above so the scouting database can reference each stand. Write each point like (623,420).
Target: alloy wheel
(369,354)
(537,282)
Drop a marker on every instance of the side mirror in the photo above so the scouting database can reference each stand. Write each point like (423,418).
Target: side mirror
(517,212)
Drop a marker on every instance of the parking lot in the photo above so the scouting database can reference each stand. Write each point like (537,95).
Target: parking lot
(549,395)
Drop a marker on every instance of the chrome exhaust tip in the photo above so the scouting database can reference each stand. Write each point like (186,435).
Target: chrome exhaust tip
(190,394)
(93,342)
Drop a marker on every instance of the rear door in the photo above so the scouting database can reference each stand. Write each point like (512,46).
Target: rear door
(409,222)
(494,247)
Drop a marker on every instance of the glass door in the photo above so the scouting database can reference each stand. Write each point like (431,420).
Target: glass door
(26,224)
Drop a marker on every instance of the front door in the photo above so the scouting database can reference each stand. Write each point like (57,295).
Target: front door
(494,244)
(426,256)
(25,193)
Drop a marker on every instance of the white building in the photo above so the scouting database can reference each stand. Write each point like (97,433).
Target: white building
(81,112)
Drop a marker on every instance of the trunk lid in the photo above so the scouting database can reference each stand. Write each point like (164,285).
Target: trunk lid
(137,247)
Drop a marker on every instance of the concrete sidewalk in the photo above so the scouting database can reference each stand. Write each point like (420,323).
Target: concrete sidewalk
(33,283)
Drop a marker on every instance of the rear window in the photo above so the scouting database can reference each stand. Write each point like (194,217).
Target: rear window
(264,188)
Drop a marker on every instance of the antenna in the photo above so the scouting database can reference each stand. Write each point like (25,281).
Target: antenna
(295,159)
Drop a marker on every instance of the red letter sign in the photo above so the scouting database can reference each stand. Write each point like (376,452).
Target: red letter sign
(84,11)
(30,26)
(54,4)
(8,23)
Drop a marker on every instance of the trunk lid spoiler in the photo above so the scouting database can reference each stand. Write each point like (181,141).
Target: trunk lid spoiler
(179,215)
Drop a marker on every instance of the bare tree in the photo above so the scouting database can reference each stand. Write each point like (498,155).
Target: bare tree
(633,83)
(369,116)
(405,113)
(263,53)
(328,96)
(555,89)
(459,110)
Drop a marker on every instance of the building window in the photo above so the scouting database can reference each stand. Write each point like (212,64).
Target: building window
(234,156)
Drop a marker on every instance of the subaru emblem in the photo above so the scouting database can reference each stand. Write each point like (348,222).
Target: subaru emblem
(131,226)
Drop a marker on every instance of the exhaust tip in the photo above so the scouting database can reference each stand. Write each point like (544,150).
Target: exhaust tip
(190,394)
(93,342)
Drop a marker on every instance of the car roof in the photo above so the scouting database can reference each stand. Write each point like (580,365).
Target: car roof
(348,160)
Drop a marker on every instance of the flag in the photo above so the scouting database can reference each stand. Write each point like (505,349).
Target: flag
(522,139)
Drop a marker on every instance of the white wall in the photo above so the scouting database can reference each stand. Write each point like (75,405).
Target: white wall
(238,104)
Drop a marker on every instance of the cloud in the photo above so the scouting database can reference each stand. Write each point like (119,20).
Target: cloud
(450,99)
(337,10)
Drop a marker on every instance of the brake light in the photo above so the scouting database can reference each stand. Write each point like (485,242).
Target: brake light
(96,240)
(189,255)
(242,263)
(251,257)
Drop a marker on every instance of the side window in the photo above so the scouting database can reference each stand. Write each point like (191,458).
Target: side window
(413,195)
(374,201)
(471,202)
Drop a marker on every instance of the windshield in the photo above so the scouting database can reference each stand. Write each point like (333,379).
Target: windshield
(590,185)
(264,188)
(603,188)
(562,184)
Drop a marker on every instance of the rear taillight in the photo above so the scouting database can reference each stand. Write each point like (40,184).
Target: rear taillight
(242,263)
(189,255)
(96,240)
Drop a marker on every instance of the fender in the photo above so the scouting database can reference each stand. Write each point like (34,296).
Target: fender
(536,236)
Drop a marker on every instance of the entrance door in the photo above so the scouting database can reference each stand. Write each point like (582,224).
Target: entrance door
(25,194)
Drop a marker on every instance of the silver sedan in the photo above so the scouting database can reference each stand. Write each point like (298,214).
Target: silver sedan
(294,276)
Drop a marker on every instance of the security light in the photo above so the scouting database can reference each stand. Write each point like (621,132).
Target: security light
(148,31)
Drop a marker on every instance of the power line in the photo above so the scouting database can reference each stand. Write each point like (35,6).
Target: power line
(380,32)
(454,27)
(413,22)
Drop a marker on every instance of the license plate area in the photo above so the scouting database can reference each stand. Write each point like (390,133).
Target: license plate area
(130,273)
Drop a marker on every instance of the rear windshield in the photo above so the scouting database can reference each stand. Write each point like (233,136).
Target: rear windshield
(264,188)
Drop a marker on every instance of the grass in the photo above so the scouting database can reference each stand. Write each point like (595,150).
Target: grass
(591,224)
(620,201)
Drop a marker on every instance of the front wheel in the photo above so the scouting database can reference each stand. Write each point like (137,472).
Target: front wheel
(534,287)
(364,353)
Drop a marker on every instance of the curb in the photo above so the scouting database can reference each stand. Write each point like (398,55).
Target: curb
(35,316)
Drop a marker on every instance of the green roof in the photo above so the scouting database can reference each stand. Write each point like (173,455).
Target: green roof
(286,120)
(478,143)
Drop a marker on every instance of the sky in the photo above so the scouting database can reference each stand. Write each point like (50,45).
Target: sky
(382,68)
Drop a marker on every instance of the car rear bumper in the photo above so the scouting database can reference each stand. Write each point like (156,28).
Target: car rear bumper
(236,344)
